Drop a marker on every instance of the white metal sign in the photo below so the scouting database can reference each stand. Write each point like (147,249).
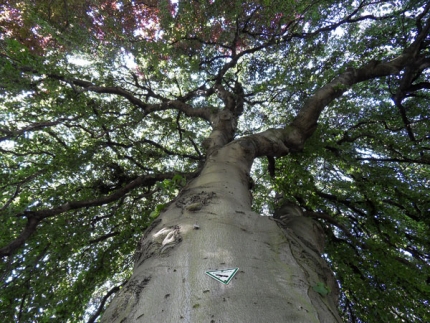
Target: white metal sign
(222,275)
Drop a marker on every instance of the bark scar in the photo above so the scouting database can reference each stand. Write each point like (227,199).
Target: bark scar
(158,243)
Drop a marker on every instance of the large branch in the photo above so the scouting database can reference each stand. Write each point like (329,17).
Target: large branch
(308,115)
(166,104)
(35,217)
(33,127)
(99,310)
(152,143)
(279,142)
(187,109)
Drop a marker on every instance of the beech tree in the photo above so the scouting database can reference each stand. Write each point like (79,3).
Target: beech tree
(146,143)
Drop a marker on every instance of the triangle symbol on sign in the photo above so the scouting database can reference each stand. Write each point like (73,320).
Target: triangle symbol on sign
(222,275)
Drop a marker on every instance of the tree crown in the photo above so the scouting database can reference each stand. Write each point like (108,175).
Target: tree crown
(107,110)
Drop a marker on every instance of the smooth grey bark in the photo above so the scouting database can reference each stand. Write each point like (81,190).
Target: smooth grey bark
(209,226)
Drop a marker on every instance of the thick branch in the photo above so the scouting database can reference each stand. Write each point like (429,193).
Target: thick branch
(113,290)
(152,143)
(29,229)
(33,127)
(279,142)
(35,217)
(187,109)
(419,86)
(307,117)
(144,180)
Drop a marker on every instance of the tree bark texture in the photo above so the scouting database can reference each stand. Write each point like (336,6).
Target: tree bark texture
(210,226)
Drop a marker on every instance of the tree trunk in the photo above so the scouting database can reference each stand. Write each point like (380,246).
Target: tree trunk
(210,226)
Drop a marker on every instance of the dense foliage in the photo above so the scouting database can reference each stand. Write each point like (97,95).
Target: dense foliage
(104,108)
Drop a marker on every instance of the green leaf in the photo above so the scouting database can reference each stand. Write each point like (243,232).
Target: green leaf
(321,288)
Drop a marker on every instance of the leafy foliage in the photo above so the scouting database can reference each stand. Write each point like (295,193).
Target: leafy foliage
(105,114)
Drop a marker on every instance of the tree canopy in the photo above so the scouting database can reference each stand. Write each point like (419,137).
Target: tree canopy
(106,107)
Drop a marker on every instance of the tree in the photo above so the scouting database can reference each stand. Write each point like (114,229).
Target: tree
(173,125)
